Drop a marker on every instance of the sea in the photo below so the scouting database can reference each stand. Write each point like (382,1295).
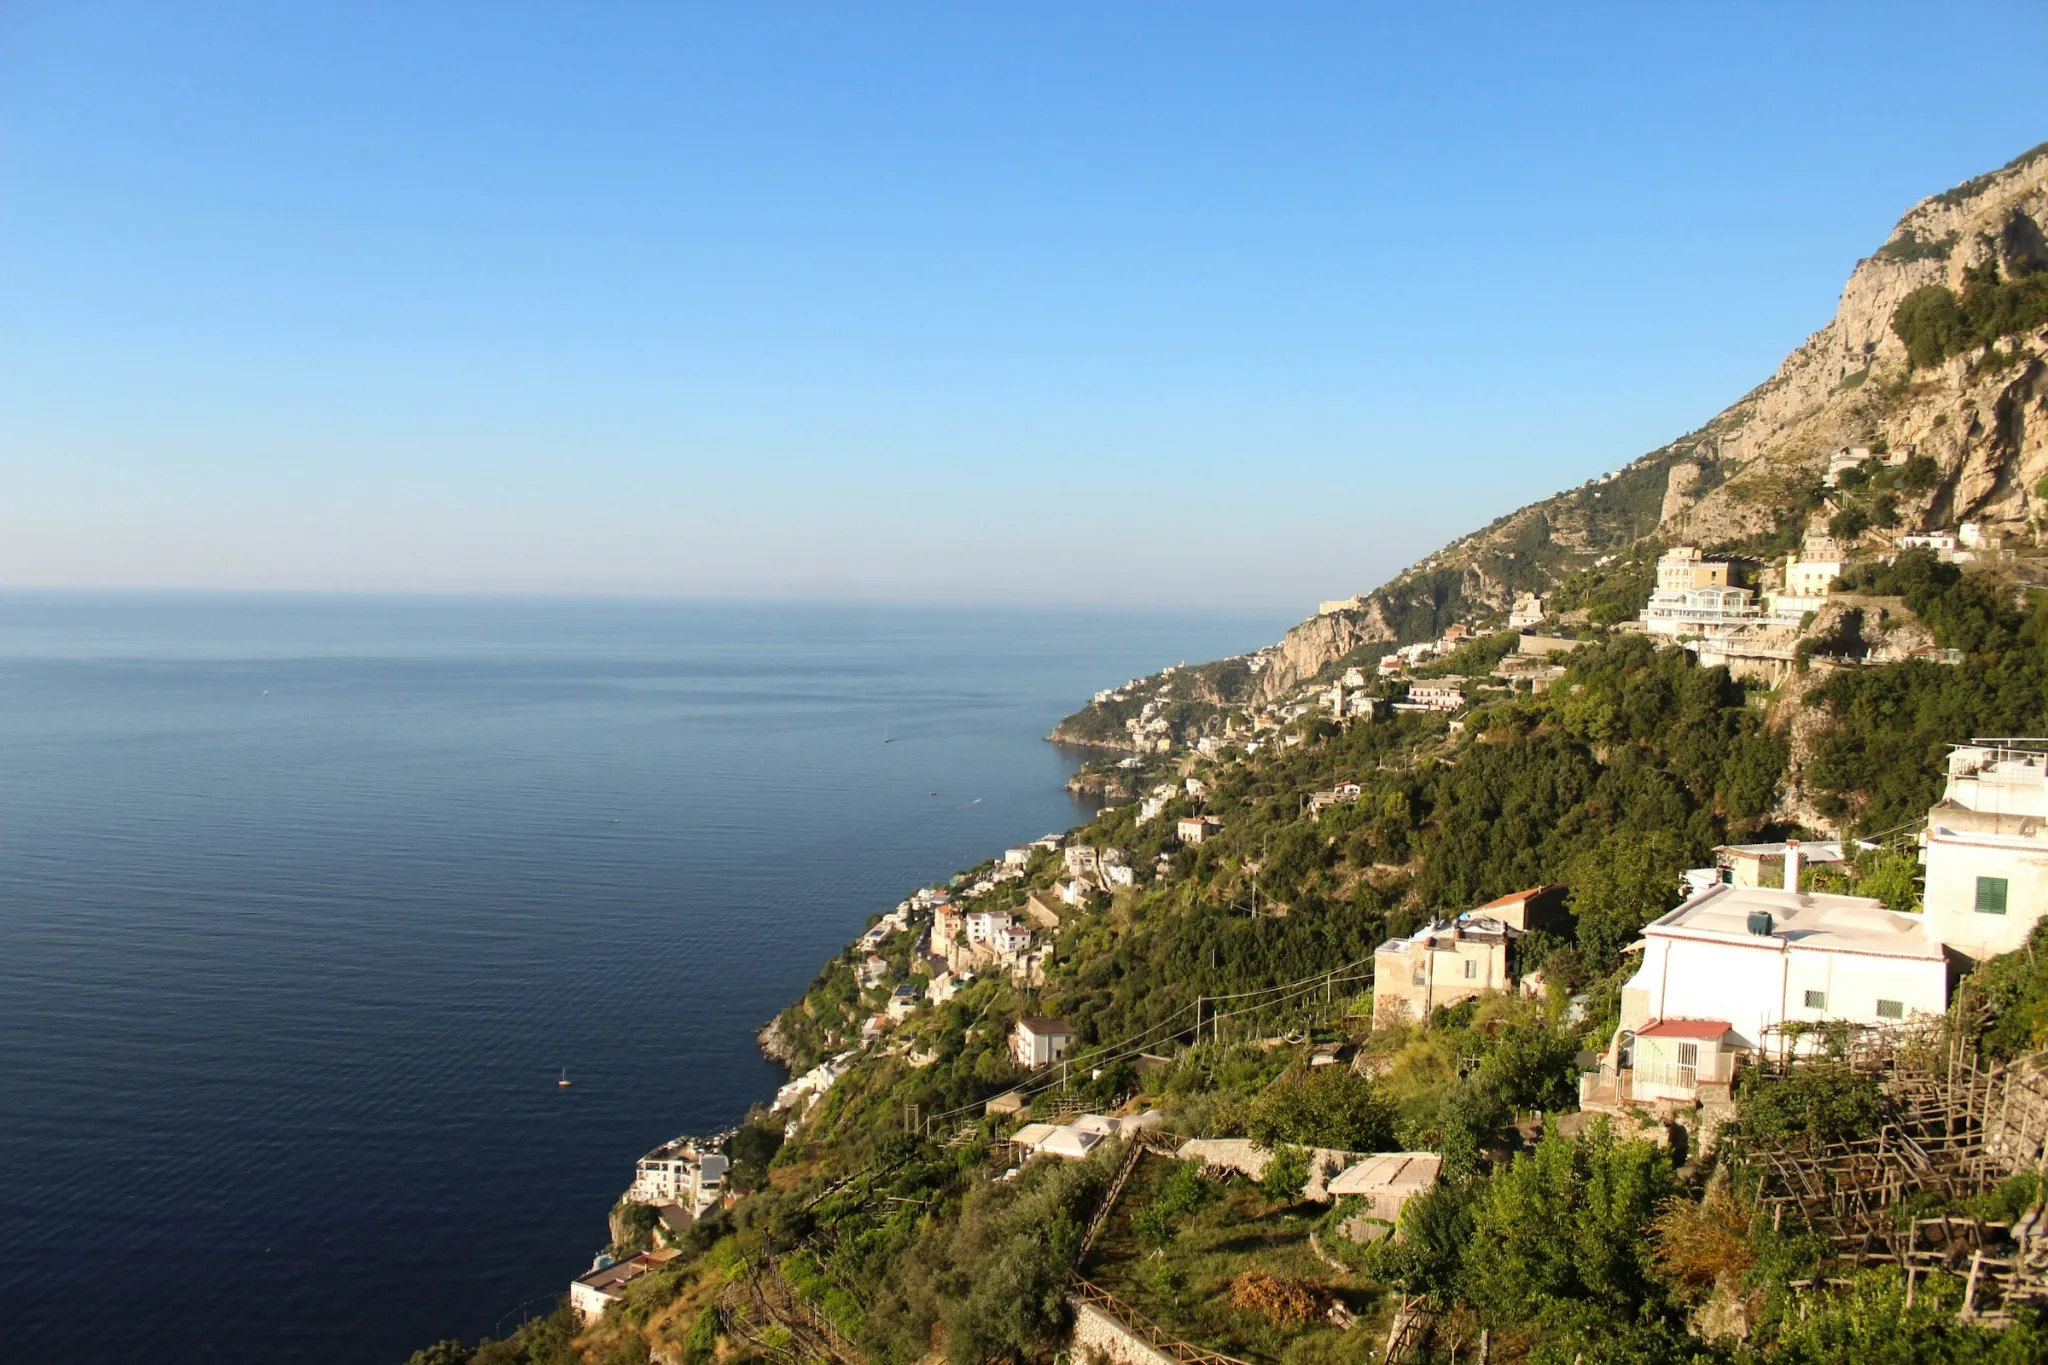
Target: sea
(307,903)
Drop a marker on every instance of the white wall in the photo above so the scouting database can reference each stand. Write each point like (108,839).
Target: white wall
(1754,985)
(587,1301)
(1953,866)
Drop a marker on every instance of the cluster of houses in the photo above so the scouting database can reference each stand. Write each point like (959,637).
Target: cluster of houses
(810,1087)
(1454,959)
(964,942)
(1419,654)
(1698,596)
(1750,963)
(1966,544)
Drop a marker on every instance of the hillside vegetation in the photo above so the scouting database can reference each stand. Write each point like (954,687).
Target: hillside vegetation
(889,1222)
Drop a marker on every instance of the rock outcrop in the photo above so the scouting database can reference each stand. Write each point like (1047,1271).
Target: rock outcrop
(1981,420)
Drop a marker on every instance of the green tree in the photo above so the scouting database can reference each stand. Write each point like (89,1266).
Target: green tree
(1428,1256)
(1930,321)
(1324,1106)
(1285,1174)
(1631,878)
(1568,1224)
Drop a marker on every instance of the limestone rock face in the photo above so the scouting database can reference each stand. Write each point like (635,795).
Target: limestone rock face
(1846,385)
(1678,492)
(1983,421)
(1320,641)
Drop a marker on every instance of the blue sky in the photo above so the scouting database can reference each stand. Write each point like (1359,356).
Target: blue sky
(1191,304)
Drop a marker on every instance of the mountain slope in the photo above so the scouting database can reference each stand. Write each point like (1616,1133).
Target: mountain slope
(1749,479)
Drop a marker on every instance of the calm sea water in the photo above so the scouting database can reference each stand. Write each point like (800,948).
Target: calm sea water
(305,902)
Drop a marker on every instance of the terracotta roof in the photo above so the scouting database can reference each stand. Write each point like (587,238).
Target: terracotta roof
(1042,1026)
(1685,1028)
(1515,896)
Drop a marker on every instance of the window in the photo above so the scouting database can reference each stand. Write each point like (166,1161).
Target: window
(1816,1000)
(1688,1054)
(1421,978)
(1471,970)
(1990,895)
(1891,1009)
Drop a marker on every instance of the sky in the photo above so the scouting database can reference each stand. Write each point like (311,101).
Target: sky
(1177,304)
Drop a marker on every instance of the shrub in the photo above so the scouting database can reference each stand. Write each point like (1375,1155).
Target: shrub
(1935,324)
(1429,1254)
(700,1343)
(1823,1100)
(1848,523)
(2013,988)
(1930,322)
(1694,1245)
(1285,1174)
(450,1352)
(1324,1106)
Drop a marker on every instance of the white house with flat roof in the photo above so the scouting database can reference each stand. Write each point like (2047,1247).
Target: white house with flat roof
(1986,847)
(605,1283)
(688,1171)
(1755,959)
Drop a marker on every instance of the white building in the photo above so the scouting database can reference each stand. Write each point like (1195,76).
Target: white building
(1695,594)
(688,1171)
(1444,694)
(1075,1140)
(1672,1058)
(1756,959)
(1038,1041)
(1846,458)
(1527,611)
(815,1082)
(605,1283)
(1773,867)
(1986,847)
(1943,543)
(945,986)
(1195,829)
(983,925)
(1809,577)
(1152,805)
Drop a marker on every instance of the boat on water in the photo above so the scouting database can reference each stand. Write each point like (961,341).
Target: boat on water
(565,1082)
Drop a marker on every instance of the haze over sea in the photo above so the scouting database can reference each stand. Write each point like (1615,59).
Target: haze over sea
(308,900)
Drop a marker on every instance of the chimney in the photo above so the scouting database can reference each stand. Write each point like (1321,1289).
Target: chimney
(1791,864)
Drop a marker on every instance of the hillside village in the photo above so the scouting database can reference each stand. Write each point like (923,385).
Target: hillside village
(1628,951)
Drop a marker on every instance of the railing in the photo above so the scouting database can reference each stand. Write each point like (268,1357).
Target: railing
(1142,1327)
(1673,1074)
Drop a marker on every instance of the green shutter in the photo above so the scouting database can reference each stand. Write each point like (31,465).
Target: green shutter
(1990,895)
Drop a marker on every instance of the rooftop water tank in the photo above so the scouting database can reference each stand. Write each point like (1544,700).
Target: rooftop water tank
(1760,923)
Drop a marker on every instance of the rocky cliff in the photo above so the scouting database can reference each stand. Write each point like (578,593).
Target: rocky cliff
(1983,423)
